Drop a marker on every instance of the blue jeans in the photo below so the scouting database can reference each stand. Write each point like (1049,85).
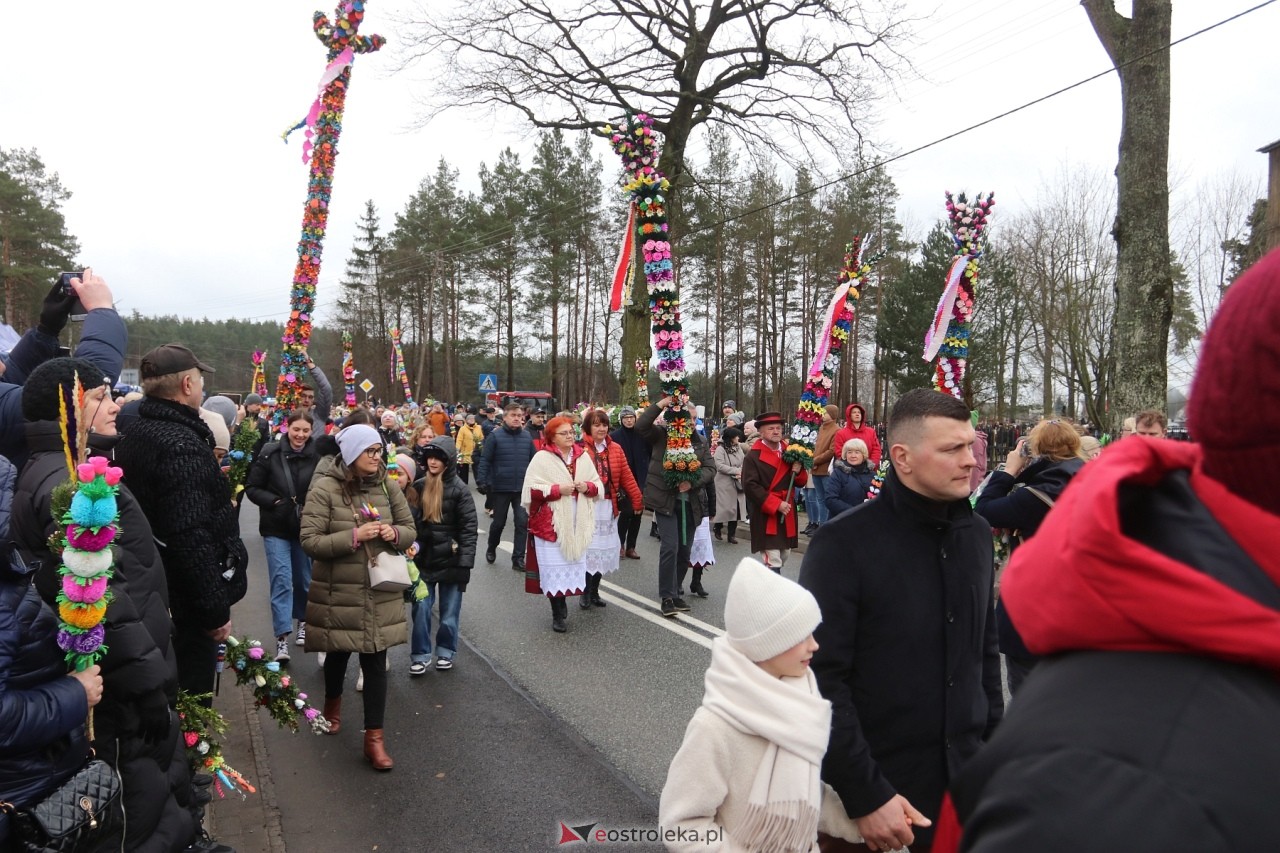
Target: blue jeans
(289,570)
(450,598)
(815,500)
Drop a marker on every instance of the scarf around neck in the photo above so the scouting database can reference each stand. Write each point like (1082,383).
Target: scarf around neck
(789,713)
(573,528)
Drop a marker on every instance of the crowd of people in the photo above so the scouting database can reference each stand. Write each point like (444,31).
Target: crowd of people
(1128,598)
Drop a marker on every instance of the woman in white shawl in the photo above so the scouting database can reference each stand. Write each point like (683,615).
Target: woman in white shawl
(560,489)
(746,777)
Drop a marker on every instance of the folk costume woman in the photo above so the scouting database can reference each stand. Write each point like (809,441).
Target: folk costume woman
(560,489)
(615,475)
(351,514)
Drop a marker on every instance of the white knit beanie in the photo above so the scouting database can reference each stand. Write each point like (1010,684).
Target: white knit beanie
(765,614)
(217,426)
(354,440)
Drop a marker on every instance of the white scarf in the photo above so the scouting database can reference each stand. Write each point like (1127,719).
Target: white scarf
(573,529)
(789,713)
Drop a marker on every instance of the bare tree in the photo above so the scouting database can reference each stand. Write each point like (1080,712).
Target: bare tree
(776,72)
(1139,49)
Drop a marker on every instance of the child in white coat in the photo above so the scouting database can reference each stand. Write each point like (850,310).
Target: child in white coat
(746,777)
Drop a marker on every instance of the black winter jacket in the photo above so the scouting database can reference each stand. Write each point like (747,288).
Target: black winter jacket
(907,646)
(280,500)
(658,496)
(1122,751)
(167,457)
(448,546)
(507,453)
(638,453)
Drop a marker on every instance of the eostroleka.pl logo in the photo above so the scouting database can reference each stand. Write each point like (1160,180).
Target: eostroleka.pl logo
(589,833)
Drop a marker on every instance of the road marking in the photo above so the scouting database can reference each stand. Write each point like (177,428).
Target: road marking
(683,617)
(678,625)
(646,613)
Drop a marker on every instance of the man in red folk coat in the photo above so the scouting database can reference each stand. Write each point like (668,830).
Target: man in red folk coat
(768,484)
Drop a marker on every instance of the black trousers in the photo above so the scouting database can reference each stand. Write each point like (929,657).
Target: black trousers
(629,527)
(374,667)
(502,502)
(197,655)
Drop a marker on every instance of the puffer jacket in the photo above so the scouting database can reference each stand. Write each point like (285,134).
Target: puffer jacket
(42,712)
(847,486)
(167,457)
(343,613)
(280,500)
(658,496)
(507,453)
(139,671)
(448,547)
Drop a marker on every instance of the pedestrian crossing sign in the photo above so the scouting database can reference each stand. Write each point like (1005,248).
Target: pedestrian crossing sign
(488,382)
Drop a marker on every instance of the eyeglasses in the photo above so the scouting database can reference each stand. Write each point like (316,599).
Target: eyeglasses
(373,452)
(564,432)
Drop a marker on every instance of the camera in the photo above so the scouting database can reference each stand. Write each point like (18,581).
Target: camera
(77,312)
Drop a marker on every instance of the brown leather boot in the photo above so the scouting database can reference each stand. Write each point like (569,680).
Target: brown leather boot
(333,713)
(374,750)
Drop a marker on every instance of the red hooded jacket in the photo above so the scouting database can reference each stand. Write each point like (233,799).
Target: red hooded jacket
(864,432)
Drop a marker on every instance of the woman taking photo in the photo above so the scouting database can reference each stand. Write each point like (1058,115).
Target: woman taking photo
(350,517)
(278,483)
(616,478)
(728,458)
(447,539)
(560,488)
(1017,497)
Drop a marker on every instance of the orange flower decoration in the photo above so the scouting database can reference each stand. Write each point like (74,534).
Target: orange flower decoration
(83,616)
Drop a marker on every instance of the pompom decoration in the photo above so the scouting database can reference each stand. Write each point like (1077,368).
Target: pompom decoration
(348,371)
(955,308)
(202,729)
(836,328)
(323,125)
(647,188)
(272,689)
(397,365)
(88,532)
(259,373)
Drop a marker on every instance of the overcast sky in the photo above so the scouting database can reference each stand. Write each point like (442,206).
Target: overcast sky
(164,120)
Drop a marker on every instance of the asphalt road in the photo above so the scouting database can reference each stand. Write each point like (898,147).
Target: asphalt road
(529,730)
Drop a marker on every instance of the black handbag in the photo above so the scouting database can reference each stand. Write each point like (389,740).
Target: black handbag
(82,814)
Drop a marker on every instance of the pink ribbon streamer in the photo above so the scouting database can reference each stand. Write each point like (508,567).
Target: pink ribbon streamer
(332,72)
(942,315)
(824,337)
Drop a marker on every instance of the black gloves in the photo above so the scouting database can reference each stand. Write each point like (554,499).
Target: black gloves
(482,489)
(155,717)
(55,310)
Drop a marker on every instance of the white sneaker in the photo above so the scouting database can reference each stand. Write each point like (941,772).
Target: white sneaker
(282,649)
(360,681)
(320,656)
(302,634)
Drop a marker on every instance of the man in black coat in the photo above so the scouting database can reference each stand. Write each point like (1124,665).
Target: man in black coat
(167,457)
(500,475)
(907,645)
(638,455)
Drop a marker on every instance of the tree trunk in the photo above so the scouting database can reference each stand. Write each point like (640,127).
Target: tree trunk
(1138,47)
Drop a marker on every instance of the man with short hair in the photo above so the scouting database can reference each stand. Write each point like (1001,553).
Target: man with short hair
(500,477)
(167,457)
(907,646)
(1150,423)
(677,510)
(537,420)
(768,484)
(316,401)
(638,454)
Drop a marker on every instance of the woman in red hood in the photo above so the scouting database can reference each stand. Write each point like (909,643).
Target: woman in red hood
(855,426)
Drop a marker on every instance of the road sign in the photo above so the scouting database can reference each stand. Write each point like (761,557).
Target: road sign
(488,382)
(366,386)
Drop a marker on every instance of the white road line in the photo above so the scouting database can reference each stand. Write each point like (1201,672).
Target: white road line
(683,617)
(646,613)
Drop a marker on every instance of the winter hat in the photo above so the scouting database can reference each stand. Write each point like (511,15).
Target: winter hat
(408,466)
(627,411)
(253,400)
(833,411)
(765,614)
(728,404)
(354,440)
(224,406)
(1237,369)
(217,426)
(41,390)
(388,419)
